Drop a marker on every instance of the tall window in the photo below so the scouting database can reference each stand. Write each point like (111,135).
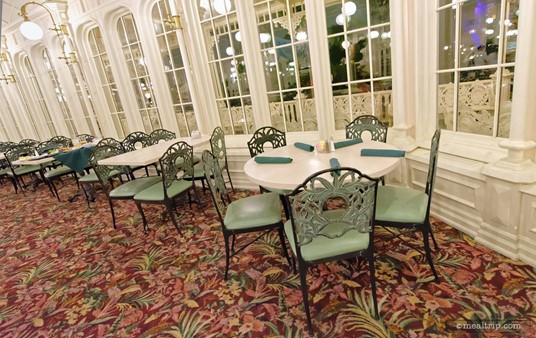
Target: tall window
(228,69)
(38,95)
(174,69)
(287,66)
(60,94)
(9,111)
(139,76)
(476,52)
(359,40)
(104,69)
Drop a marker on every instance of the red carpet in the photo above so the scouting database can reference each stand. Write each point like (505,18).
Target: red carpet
(66,272)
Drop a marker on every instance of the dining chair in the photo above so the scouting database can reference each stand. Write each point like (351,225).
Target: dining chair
(259,213)
(217,144)
(133,141)
(331,218)
(4,165)
(367,123)
(175,163)
(85,138)
(91,178)
(408,208)
(28,142)
(260,138)
(56,170)
(18,172)
(105,173)
(161,135)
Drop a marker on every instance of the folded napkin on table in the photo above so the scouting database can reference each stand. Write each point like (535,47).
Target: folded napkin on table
(383,152)
(334,164)
(267,159)
(304,146)
(347,143)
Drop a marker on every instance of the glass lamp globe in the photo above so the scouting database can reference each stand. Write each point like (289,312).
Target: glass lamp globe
(349,8)
(31,30)
(222,6)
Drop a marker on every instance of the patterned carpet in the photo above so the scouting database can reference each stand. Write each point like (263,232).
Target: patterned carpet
(66,272)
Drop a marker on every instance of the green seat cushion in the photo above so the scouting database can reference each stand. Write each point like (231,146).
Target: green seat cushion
(253,211)
(156,191)
(277,191)
(404,205)
(89,178)
(131,188)
(322,247)
(5,171)
(25,169)
(59,171)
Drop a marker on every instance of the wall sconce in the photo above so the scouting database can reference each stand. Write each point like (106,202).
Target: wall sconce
(174,20)
(6,77)
(69,58)
(31,30)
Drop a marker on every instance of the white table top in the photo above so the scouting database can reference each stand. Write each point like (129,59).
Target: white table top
(151,154)
(34,162)
(289,175)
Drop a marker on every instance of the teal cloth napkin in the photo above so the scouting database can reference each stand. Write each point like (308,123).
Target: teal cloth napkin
(334,164)
(383,152)
(347,143)
(304,146)
(268,159)
(76,159)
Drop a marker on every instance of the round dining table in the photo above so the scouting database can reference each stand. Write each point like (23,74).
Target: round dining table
(288,176)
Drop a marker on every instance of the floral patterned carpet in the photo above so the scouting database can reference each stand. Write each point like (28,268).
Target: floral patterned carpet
(66,272)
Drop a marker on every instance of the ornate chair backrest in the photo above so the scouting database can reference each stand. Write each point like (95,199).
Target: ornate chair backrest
(217,144)
(102,151)
(132,139)
(177,162)
(28,142)
(5,146)
(161,135)
(43,147)
(367,123)
(86,137)
(346,199)
(60,141)
(265,135)
(16,151)
(434,152)
(216,183)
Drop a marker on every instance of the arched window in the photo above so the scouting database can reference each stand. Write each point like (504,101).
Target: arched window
(7,107)
(287,64)
(139,76)
(359,42)
(106,77)
(38,96)
(228,69)
(476,52)
(60,95)
(174,69)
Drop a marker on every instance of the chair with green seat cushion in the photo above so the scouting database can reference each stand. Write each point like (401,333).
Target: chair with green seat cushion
(28,142)
(17,173)
(56,169)
(260,138)
(367,123)
(161,135)
(125,191)
(408,208)
(133,141)
(331,218)
(260,213)
(173,184)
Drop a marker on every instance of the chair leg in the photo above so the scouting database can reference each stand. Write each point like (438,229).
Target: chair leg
(285,206)
(232,245)
(432,235)
(145,227)
(169,207)
(230,181)
(55,190)
(86,194)
(227,254)
(112,210)
(283,244)
(14,182)
(303,282)
(373,280)
(425,229)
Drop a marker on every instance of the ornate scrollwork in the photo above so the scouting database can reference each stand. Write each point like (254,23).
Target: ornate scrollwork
(265,135)
(129,143)
(176,163)
(217,143)
(161,135)
(216,183)
(60,141)
(367,123)
(105,149)
(28,142)
(309,204)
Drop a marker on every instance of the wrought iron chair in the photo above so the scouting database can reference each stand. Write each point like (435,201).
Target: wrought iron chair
(161,135)
(85,138)
(28,142)
(91,178)
(331,218)
(56,170)
(132,142)
(5,169)
(259,213)
(105,173)
(407,208)
(176,163)
(16,173)
(217,144)
(367,123)
(277,139)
